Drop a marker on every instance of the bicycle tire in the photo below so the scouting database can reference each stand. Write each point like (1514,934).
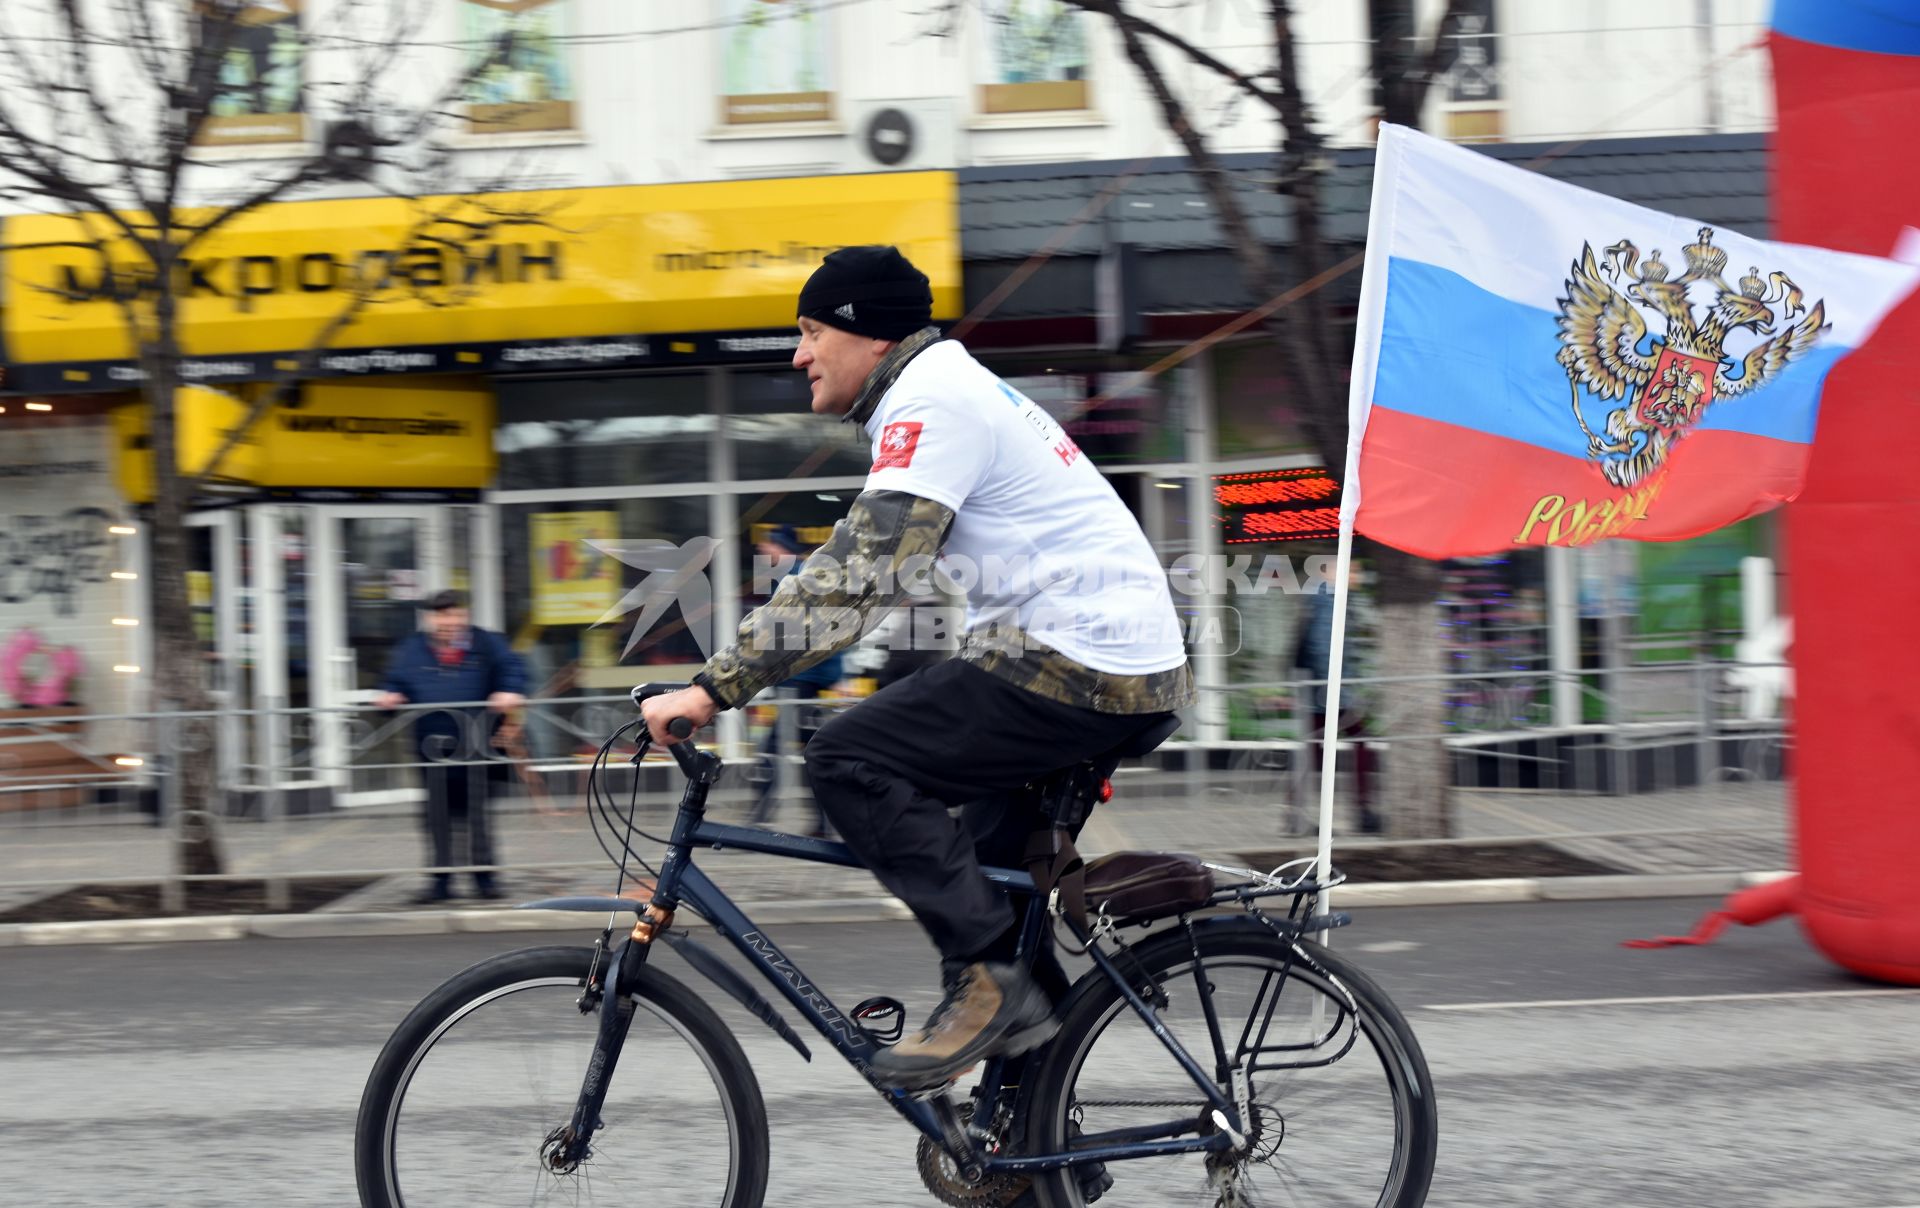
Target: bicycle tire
(1168,959)
(657,996)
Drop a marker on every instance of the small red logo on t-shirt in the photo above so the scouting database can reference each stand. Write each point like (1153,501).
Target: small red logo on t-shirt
(897,443)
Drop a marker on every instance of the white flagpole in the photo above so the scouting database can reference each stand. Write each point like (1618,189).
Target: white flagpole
(1330,732)
(1366,357)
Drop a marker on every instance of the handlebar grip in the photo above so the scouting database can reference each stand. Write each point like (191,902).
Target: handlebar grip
(645,691)
(680,727)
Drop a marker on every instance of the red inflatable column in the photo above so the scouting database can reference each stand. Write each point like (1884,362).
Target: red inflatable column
(1847,176)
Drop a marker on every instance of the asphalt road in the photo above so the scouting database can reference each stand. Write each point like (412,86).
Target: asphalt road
(1571,1072)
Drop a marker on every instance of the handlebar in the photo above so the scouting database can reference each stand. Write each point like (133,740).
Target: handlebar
(679,727)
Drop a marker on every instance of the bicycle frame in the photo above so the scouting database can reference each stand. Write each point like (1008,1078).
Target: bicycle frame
(681,882)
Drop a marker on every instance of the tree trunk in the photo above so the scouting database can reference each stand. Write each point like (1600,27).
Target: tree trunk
(189,744)
(1415,797)
(1415,800)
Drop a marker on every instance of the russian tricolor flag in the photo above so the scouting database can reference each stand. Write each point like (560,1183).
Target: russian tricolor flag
(1538,364)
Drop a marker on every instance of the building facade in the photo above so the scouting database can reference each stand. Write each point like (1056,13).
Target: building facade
(548,415)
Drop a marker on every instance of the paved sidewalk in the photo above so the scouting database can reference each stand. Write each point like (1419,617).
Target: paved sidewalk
(1722,829)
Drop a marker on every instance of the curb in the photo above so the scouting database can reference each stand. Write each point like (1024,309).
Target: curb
(825,910)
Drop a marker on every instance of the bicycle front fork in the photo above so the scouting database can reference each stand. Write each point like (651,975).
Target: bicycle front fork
(566,1147)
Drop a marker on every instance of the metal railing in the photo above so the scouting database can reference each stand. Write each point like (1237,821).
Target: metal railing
(305,794)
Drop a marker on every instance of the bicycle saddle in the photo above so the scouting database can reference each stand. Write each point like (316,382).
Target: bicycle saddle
(1144,740)
(1068,794)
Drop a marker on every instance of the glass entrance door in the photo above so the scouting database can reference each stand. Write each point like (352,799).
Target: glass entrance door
(219,597)
(385,576)
(373,568)
(217,594)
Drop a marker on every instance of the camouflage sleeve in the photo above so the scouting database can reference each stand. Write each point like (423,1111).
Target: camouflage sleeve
(887,538)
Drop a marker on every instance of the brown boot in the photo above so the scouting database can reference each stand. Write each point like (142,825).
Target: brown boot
(990,1010)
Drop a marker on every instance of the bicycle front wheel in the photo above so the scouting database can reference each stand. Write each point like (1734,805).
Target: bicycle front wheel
(470,1086)
(1341,1102)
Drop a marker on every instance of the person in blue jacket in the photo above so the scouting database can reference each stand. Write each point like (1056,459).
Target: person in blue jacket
(451,662)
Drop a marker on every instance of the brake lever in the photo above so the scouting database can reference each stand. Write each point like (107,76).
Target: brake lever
(679,727)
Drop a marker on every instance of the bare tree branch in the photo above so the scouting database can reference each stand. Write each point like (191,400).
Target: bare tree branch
(38,244)
(80,62)
(1301,167)
(1402,69)
(943,19)
(309,172)
(1127,20)
(146,45)
(49,170)
(1256,264)
(47,160)
(460,88)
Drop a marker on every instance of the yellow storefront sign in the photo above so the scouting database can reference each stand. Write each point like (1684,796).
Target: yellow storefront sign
(573,583)
(202,419)
(555,264)
(419,432)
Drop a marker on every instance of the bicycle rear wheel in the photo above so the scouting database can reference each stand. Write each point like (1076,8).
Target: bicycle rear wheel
(473,1081)
(1357,1130)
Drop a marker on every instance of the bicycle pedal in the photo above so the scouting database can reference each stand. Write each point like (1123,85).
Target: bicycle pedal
(933,1094)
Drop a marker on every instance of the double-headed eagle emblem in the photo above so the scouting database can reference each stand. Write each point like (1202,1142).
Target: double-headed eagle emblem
(1669,381)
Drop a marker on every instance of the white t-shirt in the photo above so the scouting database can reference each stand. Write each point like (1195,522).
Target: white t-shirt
(1039,537)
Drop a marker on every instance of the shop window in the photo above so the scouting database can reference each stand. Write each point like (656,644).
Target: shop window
(775,62)
(1113,416)
(774,433)
(531,88)
(296,579)
(807,517)
(1687,594)
(69,606)
(1035,57)
(261,74)
(603,432)
(1494,623)
(1255,402)
(557,587)
(1475,110)
(803,518)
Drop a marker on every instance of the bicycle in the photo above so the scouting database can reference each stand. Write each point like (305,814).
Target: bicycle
(497,1087)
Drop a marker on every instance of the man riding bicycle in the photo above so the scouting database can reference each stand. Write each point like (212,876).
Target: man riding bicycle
(1071,643)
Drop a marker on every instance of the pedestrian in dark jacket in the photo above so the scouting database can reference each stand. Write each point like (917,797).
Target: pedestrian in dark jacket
(452,663)
(1313,654)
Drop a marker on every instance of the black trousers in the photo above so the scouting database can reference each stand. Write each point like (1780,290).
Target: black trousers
(457,796)
(886,771)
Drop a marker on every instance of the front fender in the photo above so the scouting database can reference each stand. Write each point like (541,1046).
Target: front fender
(632,905)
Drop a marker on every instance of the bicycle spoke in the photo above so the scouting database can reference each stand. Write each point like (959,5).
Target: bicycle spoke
(489,1089)
(1324,1124)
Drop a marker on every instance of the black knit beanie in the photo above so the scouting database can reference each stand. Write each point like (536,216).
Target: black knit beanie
(870,291)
